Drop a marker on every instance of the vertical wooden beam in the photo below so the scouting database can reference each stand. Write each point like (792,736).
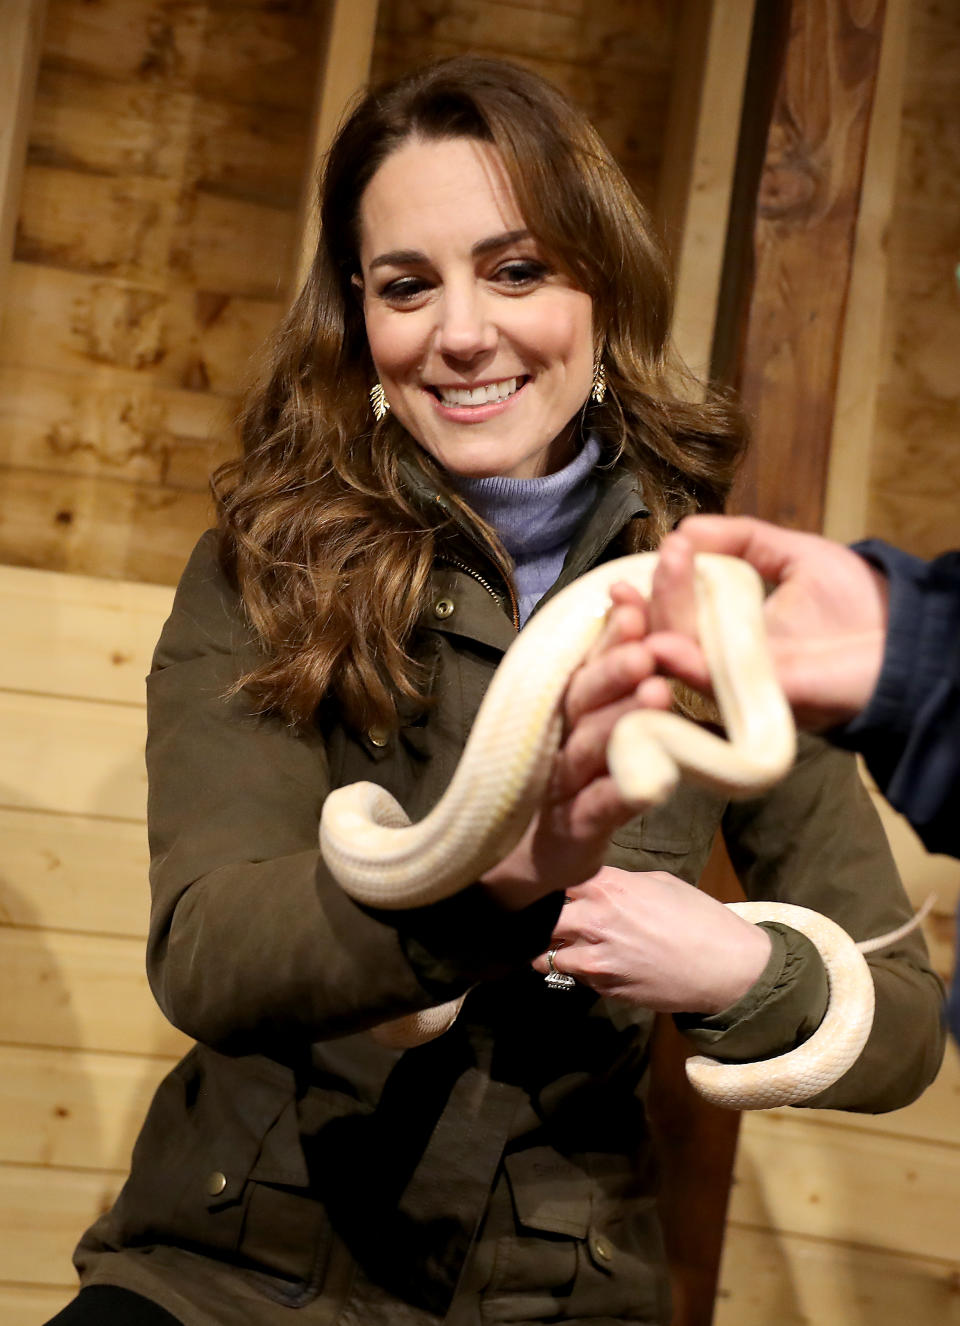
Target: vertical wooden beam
(851,443)
(696,1142)
(699,156)
(696,1145)
(793,209)
(21,33)
(344,69)
(793,302)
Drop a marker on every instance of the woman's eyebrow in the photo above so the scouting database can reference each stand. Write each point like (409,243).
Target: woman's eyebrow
(413,257)
(499,241)
(398,258)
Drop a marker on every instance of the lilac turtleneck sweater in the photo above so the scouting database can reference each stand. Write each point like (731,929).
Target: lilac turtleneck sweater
(535,518)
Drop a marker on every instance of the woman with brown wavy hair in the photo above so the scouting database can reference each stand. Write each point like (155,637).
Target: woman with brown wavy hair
(470,404)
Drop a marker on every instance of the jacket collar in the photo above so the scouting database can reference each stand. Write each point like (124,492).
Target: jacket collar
(619,500)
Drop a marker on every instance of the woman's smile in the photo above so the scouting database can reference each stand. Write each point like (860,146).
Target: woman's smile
(483,393)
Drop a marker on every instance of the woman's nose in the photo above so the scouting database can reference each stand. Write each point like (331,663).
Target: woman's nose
(465,329)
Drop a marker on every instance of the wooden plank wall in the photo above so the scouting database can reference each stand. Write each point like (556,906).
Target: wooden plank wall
(849,1219)
(82,1043)
(157,229)
(21,31)
(159,225)
(914,477)
(614,59)
(157,232)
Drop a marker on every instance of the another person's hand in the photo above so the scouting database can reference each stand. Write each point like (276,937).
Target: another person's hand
(654,941)
(826,616)
(581,807)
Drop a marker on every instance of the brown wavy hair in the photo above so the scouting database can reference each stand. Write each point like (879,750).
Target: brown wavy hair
(331,556)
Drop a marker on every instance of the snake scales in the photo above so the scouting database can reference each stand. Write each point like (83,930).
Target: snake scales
(382,860)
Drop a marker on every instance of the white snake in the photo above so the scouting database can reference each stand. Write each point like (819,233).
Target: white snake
(382,860)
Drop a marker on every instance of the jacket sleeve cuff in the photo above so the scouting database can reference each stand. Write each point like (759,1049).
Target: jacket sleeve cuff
(781,1010)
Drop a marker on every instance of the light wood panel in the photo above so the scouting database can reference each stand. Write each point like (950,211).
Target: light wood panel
(846,1185)
(71,635)
(84,992)
(76,757)
(27,1305)
(771,1278)
(73,873)
(73,1108)
(82,1042)
(42,1214)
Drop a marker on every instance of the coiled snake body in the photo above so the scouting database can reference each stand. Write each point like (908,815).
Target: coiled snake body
(384,861)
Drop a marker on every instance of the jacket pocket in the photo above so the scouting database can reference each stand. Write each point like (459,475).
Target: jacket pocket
(574,1241)
(539,1212)
(219,1168)
(622,1271)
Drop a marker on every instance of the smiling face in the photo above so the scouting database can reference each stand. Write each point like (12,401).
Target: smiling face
(483,347)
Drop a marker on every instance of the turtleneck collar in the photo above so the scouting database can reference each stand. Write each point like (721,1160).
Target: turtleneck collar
(536,518)
(535,515)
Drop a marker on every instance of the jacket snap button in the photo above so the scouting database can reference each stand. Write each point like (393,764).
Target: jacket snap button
(443,608)
(216,1182)
(603,1250)
(379,736)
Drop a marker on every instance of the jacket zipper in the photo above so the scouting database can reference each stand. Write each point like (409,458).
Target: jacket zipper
(475,575)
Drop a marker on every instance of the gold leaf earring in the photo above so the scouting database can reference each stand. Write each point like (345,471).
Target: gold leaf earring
(378,400)
(598,388)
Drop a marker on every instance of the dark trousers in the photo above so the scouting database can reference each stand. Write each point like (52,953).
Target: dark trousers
(105,1305)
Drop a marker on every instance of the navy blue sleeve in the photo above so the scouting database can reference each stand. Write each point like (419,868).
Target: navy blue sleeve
(909,733)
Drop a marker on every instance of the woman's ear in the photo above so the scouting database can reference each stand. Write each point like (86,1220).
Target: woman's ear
(356,280)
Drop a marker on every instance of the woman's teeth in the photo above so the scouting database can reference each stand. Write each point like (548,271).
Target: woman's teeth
(493,391)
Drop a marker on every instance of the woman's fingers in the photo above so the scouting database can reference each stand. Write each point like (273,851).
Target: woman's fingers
(606,680)
(626,620)
(681,657)
(657,942)
(617,661)
(673,603)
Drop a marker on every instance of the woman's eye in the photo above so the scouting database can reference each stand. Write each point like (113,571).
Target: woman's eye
(404,289)
(521,273)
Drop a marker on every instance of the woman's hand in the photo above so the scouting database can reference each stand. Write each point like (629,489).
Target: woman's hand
(826,616)
(654,941)
(566,841)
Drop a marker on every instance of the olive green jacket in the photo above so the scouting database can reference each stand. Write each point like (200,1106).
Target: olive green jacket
(502,1172)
